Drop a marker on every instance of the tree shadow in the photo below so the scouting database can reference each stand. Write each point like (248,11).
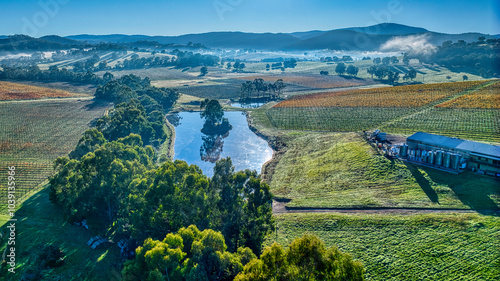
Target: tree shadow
(423,182)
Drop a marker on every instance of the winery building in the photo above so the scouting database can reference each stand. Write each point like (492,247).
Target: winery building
(453,153)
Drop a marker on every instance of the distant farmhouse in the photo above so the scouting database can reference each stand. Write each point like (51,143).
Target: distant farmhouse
(452,154)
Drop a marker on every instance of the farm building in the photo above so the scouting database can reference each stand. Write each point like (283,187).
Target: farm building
(453,154)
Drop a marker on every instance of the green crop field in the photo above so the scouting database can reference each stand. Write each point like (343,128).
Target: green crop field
(413,247)
(33,134)
(341,170)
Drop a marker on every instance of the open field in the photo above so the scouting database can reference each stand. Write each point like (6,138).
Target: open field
(312,81)
(14,91)
(340,170)
(414,247)
(42,223)
(34,133)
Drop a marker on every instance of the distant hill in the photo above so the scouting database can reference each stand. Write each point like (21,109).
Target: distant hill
(211,39)
(369,38)
(60,40)
(388,29)
(27,43)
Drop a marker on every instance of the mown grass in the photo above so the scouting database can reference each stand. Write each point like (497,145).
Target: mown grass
(411,247)
(41,223)
(341,170)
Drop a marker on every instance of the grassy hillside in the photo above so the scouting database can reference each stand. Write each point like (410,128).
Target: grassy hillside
(341,170)
(414,247)
(41,223)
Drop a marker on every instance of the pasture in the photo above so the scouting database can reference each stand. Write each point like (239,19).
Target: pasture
(406,247)
(341,170)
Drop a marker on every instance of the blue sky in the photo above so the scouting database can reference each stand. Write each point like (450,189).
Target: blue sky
(166,17)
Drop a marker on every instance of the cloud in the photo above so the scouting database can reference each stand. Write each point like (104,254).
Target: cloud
(414,44)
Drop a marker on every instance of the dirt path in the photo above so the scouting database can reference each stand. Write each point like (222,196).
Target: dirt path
(281,208)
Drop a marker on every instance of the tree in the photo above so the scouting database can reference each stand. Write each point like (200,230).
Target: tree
(386,60)
(412,74)
(215,123)
(323,72)
(352,70)
(340,68)
(203,71)
(394,60)
(307,258)
(190,254)
(371,70)
(377,60)
(465,78)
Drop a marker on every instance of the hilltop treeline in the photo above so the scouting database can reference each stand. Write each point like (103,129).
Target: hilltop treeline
(53,74)
(481,57)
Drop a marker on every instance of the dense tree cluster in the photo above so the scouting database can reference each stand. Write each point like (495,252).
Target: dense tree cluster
(306,258)
(180,59)
(336,59)
(260,88)
(53,74)
(191,254)
(481,57)
(382,71)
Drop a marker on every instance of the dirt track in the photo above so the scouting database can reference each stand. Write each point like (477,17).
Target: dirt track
(281,208)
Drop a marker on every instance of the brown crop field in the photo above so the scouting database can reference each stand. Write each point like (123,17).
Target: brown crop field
(15,91)
(313,81)
(486,98)
(403,96)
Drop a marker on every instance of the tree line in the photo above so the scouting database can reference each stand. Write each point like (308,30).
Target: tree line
(481,57)
(259,88)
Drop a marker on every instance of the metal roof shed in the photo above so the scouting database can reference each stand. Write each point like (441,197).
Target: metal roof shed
(491,151)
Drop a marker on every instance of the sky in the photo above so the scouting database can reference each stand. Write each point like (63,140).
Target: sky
(167,17)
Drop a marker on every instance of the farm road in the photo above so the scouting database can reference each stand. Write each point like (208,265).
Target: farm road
(281,208)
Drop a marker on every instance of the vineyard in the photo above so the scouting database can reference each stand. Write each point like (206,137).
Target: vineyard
(312,81)
(14,91)
(433,108)
(486,98)
(476,124)
(33,134)
(403,96)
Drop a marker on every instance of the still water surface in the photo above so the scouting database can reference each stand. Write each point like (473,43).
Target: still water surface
(246,149)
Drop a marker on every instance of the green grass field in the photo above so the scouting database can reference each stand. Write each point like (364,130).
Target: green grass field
(42,223)
(413,247)
(34,133)
(341,170)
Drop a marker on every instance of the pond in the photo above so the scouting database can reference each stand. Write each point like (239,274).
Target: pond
(246,149)
(248,105)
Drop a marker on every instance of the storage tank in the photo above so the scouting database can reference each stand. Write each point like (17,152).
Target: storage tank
(439,158)
(446,159)
(431,157)
(403,150)
(455,161)
(382,136)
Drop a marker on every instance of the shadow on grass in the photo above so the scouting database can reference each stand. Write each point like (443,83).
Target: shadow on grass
(473,190)
(424,183)
(42,223)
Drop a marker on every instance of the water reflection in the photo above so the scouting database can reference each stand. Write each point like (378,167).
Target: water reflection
(247,150)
